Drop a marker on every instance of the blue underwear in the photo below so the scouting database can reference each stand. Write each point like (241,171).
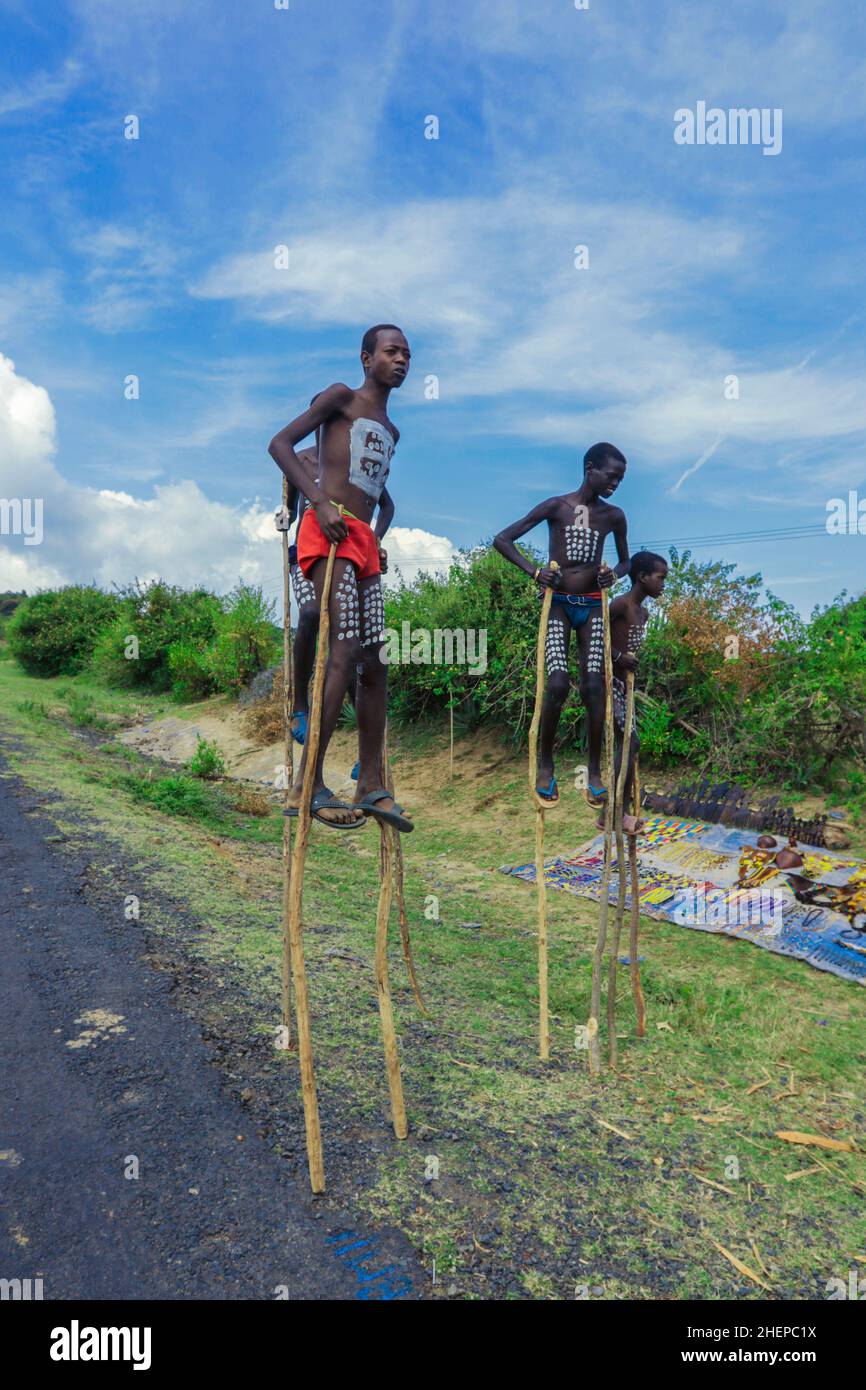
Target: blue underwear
(577,607)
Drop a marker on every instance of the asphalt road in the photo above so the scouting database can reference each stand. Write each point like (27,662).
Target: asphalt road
(104,1077)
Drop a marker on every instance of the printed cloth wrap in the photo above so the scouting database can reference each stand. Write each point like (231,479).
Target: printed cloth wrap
(688,871)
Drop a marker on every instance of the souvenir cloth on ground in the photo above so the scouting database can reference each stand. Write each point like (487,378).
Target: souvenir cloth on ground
(716,879)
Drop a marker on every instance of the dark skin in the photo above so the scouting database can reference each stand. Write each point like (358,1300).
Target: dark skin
(330,416)
(628,618)
(587,507)
(304,650)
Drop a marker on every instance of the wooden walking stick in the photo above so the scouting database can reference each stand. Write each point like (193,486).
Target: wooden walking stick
(601,940)
(388,784)
(288,770)
(637,992)
(296,889)
(621,868)
(383,988)
(540,807)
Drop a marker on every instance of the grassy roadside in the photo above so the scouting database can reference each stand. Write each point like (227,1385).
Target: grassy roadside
(536,1195)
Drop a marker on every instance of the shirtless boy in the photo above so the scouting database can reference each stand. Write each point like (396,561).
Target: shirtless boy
(356,442)
(628,620)
(304,647)
(578,524)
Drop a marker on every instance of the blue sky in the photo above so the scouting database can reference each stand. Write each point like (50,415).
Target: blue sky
(306,127)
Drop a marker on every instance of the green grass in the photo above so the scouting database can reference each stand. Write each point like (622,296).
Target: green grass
(535,1195)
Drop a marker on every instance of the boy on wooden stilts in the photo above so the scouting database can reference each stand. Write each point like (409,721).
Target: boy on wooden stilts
(357,440)
(578,523)
(628,619)
(304,646)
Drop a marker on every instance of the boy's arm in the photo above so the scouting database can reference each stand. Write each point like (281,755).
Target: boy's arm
(607,576)
(383,521)
(623,660)
(282,450)
(309,458)
(386,514)
(504,543)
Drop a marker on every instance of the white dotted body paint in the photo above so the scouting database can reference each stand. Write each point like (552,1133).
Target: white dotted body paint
(595,653)
(348,622)
(581,544)
(304,591)
(619,703)
(373,616)
(556,648)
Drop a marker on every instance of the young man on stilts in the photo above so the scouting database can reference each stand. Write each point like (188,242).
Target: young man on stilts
(578,524)
(356,444)
(628,620)
(304,646)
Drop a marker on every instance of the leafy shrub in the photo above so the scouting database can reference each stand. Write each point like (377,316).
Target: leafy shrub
(246,639)
(207,761)
(190,671)
(54,633)
(156,615)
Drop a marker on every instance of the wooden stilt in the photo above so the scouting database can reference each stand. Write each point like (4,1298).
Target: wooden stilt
(383,988)
(540,806)
(621,868)
(405,941)
(288,771)
(601,940)
(296,889)
(637,992)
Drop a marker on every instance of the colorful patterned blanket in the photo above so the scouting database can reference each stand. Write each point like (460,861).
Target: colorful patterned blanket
(713,878)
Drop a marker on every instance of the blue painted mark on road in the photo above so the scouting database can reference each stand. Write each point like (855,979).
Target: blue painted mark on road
(375,1282)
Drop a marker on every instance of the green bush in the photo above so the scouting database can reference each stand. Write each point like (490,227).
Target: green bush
(246,639)
(134,650)
(481,592)
(190,671)
(207,761)
(54,633)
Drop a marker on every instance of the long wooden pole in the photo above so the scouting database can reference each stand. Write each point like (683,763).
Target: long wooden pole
(383,988)
(621,868)
(601,940)
(288,771)
(299,858)
(540,806)
(637,992)
(405,940)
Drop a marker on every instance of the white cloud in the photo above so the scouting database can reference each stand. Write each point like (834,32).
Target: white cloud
(492,286)
(111,536)
(41,89)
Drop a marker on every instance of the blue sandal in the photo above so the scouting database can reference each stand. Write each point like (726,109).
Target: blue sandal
(595,796)
(300,734)
(550,794)
(356,771)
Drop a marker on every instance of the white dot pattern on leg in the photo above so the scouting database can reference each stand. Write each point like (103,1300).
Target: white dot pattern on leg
(303,589)
(373,616)
(595,654)
(619,703)
(348,620)
(555,650)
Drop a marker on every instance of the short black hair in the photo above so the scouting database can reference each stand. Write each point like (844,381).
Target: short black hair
(644,562)
(368,342)
(599,452)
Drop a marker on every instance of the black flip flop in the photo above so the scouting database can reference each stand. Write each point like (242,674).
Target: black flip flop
(326,801)
(368,805)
